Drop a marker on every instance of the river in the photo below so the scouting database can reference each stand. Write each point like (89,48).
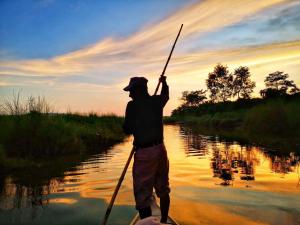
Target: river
(212,182)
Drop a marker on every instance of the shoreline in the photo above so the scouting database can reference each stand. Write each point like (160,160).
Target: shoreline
(36,140)
(281,145)
(274,123)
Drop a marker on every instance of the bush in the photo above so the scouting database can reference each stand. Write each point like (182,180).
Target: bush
(278,117)
(268,119)
(40,135)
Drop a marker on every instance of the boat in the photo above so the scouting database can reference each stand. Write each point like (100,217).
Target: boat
(156,213)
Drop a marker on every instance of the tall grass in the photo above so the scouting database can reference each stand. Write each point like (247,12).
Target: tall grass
(15,106)
(29,131)
(40,135)
(276,117)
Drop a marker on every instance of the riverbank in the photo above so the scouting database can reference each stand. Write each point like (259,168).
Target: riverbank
(35,139)
(270,122)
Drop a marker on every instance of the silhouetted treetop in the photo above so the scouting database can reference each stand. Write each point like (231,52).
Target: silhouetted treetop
(219,83)
(242,85)
(278,85)
(193,98)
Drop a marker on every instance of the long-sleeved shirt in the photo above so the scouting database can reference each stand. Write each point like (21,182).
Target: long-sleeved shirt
(143,118)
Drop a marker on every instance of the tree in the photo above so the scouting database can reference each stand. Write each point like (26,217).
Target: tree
(278,85)
(294,90)
(193,98)
(242,85)
(219,83)
(270,93)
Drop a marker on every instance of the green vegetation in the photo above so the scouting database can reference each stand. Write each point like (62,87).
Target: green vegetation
(30,135)
(40,136)
(271,120)
(278,117)
(245,127)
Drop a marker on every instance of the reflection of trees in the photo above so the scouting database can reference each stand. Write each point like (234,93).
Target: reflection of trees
(15,195)
(26,188)
(231,159)
(228,160)
(284,164)
(221,164)
(31,187)
(196,143)
(298,172)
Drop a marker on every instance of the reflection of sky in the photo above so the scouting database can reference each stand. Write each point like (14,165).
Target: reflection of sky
(71,209)
(79,52)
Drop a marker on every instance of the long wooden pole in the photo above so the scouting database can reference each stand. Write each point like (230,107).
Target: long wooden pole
(117,188)
(109,208)
(164,70)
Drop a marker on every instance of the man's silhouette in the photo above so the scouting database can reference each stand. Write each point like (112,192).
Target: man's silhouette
(143,119)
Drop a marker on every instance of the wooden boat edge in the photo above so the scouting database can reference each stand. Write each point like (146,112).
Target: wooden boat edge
(136,219)
(154,207)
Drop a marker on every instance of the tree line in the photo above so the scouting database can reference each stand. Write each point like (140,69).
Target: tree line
(222,86)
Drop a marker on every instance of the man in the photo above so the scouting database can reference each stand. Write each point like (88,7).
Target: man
(143,119)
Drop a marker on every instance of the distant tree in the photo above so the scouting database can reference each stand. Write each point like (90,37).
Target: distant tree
(294,90)
(212,86)
(219,83)
(242,85)
(270,93)
(193,98)
(277,85)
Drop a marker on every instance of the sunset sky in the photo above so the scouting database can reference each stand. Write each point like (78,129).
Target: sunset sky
(80,54)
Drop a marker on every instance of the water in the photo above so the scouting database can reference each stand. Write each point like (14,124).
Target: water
(212,182)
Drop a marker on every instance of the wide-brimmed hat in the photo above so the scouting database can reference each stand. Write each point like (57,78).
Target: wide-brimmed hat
(136,82)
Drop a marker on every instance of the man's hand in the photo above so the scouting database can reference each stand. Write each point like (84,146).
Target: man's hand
(162,79)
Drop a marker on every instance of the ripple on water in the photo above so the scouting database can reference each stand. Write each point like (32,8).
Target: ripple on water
(198,165)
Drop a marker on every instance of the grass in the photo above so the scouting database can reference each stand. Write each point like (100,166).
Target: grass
(277,117)
(36,135)
(30,134)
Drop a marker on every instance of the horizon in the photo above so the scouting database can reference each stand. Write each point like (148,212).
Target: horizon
(80,55)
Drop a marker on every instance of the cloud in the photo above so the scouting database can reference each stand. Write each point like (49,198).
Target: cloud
(284,19)
(3,84)
(105,66)
(146,49)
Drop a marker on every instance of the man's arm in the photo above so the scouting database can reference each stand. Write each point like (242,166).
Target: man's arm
(128,122)
(164,90)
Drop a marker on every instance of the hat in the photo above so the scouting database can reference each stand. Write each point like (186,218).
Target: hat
(136,82)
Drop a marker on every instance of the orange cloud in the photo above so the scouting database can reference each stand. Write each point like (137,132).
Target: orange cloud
(148,46)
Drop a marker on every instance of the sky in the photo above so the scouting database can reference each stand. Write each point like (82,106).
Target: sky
(79,55)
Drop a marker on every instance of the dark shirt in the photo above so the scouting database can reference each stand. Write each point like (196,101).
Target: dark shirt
(143,118)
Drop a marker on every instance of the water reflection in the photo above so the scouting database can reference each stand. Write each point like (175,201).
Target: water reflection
(196,145)
(31,187)
(249,179)
(285,164)
(231,160)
